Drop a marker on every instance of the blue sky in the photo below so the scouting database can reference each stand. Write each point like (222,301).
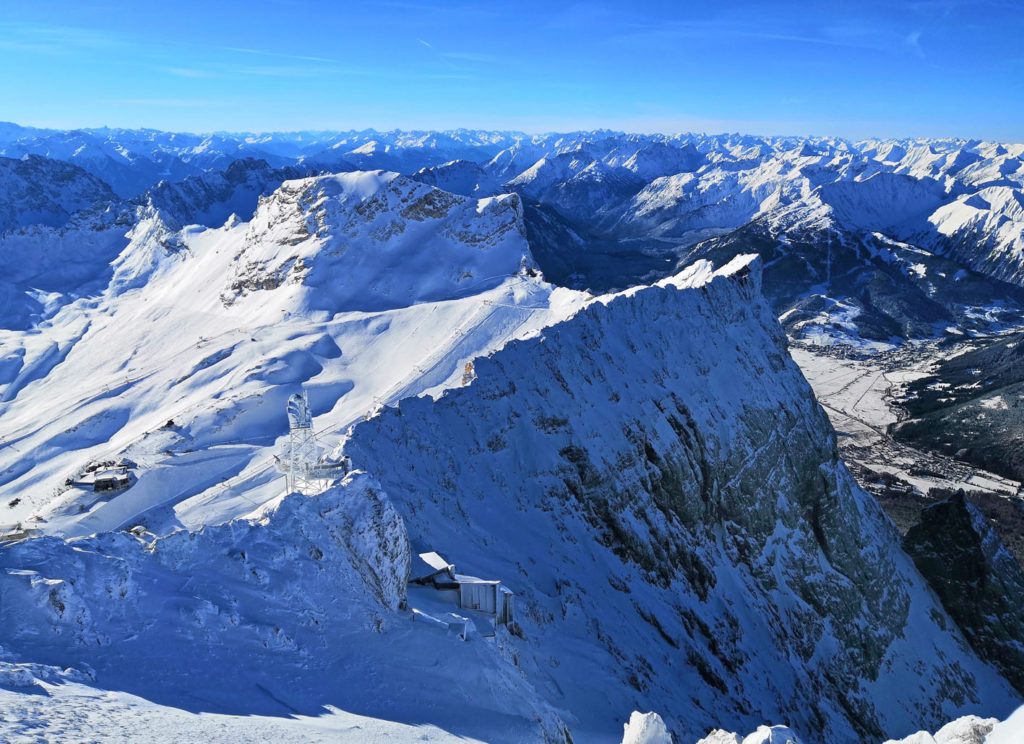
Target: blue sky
(854,69)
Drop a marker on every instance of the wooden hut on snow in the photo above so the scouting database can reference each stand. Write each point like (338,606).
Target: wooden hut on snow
(489,596)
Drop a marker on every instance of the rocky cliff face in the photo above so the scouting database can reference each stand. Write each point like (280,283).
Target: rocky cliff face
(654,478)
(211,198)
(979,582)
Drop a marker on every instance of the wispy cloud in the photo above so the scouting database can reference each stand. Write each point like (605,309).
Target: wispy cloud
(62,39)
(757,23)
(289,71)
(187,72)
(52,39)
(32,47)
(462,65)
(71,35)
(833,37)
(485,59)
(267,53)
(913,40)
(445,76)
(173,102)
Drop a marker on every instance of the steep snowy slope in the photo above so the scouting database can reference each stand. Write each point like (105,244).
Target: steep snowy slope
(425,244)
(658,159)
(883,202)
(65,253)
(459,177)
(275,617)
(363,287)
(42,268)
(985,230)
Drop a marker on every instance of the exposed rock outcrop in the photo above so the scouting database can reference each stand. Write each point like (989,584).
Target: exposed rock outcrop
(980,583)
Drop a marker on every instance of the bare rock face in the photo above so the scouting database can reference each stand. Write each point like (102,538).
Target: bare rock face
(39,191)
(980,583)
(209,199)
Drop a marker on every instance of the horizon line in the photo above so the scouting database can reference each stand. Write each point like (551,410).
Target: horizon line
(515,132)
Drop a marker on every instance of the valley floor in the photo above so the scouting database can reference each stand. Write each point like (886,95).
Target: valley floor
(861,394)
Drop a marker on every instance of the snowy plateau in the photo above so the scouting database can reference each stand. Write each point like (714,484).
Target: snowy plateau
(621,438)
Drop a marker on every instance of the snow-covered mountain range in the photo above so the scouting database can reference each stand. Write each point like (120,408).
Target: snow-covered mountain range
(642,464)
(604,210)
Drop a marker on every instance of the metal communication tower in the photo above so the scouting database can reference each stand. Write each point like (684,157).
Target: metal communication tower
(304,467)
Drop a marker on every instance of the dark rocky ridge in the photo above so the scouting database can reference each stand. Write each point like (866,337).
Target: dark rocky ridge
(41,191)
(980,584)
(812,267)
(970,407)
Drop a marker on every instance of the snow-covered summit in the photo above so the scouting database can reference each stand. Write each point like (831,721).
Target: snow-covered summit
(646,469)
(627,467)
(374,240)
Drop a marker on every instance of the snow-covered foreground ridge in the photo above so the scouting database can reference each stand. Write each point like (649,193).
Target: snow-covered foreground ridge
(651,475)
(646,728)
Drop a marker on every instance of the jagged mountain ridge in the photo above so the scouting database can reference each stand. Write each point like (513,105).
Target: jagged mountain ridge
(42,191)
(960,166)
(695,532)
(638,203)
(211,198)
